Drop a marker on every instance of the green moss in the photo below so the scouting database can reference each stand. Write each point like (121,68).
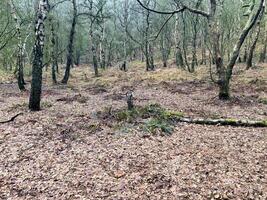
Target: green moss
(151,110)
(155,110)
(156,124)
(231,120)
(159,118)
(172,115)
(264,122)
(263,101)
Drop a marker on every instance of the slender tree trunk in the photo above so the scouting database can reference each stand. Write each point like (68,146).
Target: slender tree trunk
(125,42)
(253,47)
(178,52)
(93,50)
(95,61)
(70,45)
(203,55)
(36,84)
(77,57)
(194,53)
(148,48)
(245,57)
(194,41)
(19,73)
(146,53)
(264,49)
(102,57)
(164,50)
(203,46)
(185,45)
(125,53)
(151,58)
(54,51)
(109,56)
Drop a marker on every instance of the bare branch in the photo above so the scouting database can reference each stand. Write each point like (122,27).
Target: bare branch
(192,10)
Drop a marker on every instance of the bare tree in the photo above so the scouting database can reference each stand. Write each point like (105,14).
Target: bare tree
(178,51)
(20,50)
(255,40)
(71,43)
(224,71)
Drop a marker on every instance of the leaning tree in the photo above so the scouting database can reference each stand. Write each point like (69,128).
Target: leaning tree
(71,43)
(224,70)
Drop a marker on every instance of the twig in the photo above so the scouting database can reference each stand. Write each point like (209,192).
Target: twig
(12,119)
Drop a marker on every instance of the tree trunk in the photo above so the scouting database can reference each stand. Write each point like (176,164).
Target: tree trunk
(163,50)
(36,84)
(70,45)
(178,52)
(252,48)
(203,53)
(256,38)
(194,41)
(147,56)
(93,50)
(102,56)
(95,61)
(264,49)
(224,93)
(148,48)
(125,43)
(77,57)
(151,58)
(225,74)
(19,72)
(54,52)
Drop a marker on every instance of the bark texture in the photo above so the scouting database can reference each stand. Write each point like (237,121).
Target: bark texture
(70,45)
(36,84)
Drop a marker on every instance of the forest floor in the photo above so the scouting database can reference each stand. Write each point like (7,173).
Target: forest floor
(67,151)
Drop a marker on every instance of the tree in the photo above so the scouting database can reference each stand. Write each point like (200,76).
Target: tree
(36,84)
(224,71)
(71,43)
(54,47)
(178,51)
(254,43)
(20,49)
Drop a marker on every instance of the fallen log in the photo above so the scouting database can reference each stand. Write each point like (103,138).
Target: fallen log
(12,119)
(225,122)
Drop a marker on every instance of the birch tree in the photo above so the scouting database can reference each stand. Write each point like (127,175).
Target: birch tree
(36,84)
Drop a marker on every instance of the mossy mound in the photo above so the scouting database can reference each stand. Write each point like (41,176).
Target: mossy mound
(151,118)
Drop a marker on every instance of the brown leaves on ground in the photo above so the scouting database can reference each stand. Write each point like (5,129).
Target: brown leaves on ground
(66,152)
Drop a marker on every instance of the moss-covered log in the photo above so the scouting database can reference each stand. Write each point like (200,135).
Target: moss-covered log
(225,122)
